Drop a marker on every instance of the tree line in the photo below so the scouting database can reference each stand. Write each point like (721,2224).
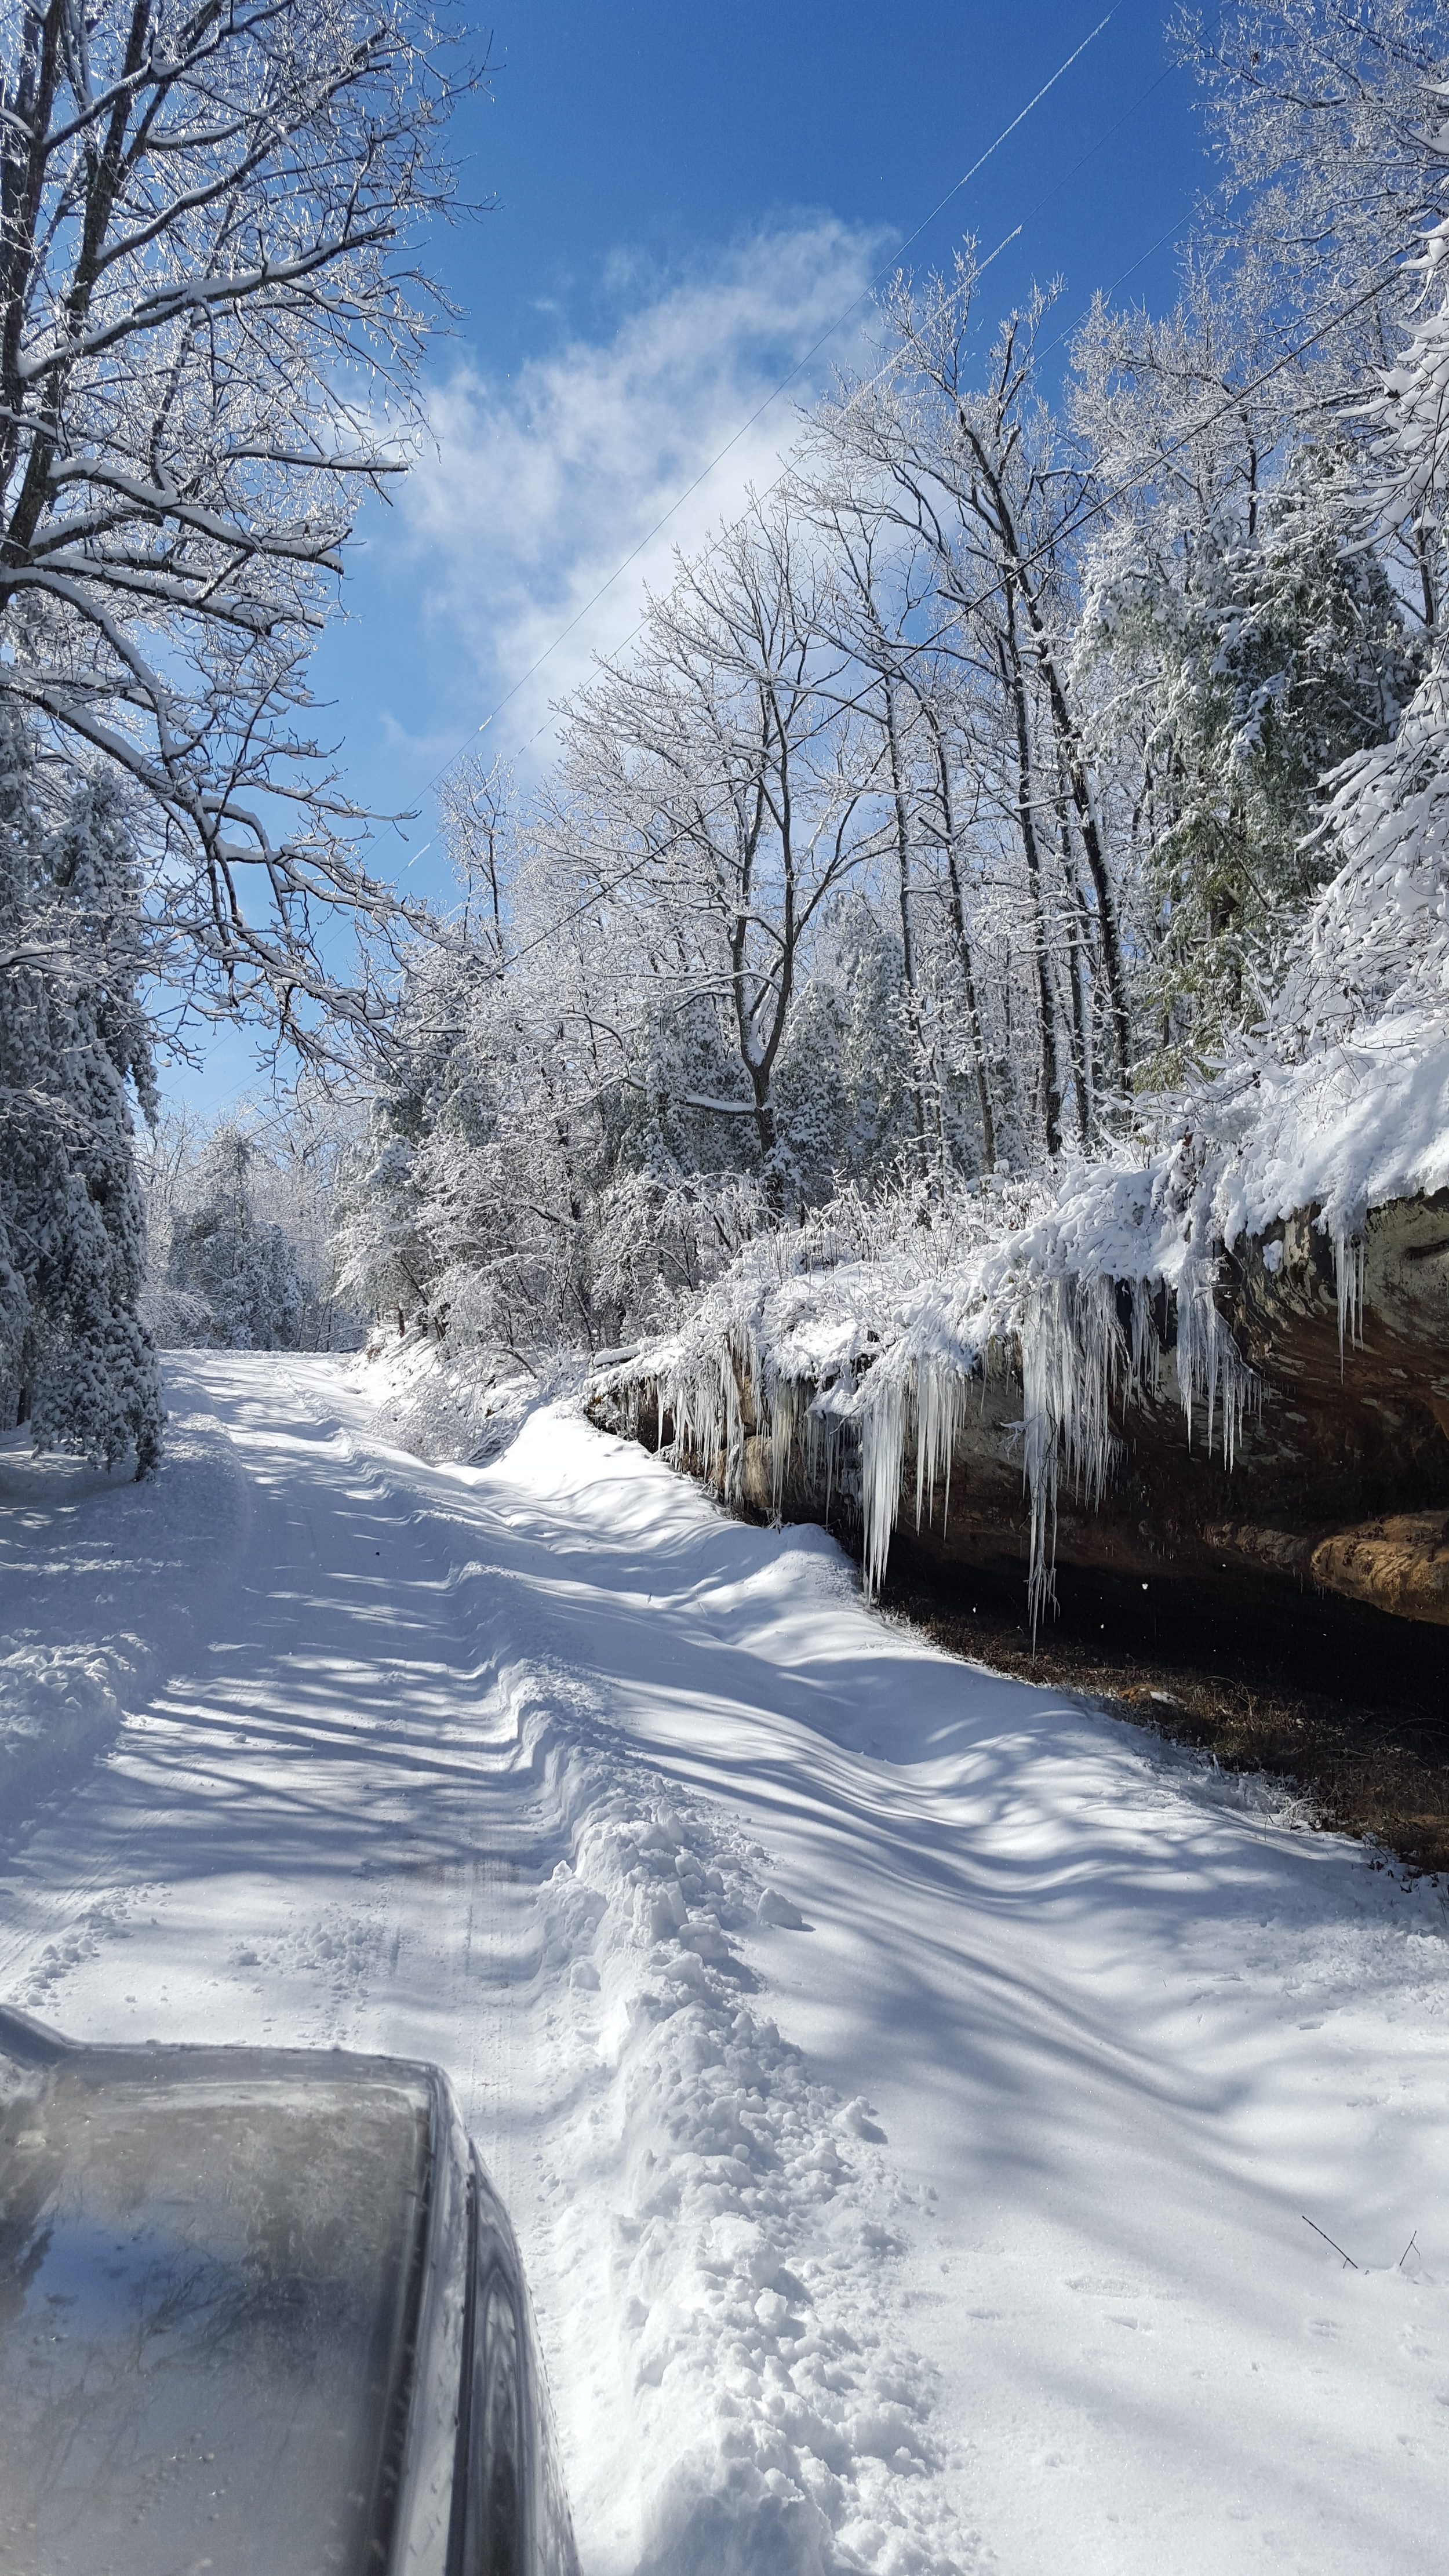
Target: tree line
(972,788)
(965,795)
(212,315)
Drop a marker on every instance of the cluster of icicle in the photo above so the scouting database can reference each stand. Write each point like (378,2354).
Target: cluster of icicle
(846,1413)
(699,1384)
(1080,1362)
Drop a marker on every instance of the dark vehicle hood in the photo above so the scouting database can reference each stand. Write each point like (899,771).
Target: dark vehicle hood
(233,2310)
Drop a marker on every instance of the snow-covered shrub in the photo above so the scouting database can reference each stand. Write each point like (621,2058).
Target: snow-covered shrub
(238,1275)
(242,1252)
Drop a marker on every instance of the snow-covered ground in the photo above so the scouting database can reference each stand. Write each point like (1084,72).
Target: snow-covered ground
(909,2087)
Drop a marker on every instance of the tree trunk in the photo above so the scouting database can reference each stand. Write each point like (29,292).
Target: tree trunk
(908,956)
(1074,762)
(1076,964)
(963,951)
(1015,680)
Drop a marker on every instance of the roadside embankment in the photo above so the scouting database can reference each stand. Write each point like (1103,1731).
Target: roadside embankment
(1209,1374)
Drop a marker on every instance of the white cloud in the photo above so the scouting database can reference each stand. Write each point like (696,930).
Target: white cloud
(541,485)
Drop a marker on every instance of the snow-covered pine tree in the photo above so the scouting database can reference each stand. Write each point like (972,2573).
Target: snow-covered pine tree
(1240,660)
(1333,124)
(1379,940)
(75,1358)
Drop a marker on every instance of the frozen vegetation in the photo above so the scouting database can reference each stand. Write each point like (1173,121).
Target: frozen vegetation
(1029,814)
(1008,874)
(862,1328)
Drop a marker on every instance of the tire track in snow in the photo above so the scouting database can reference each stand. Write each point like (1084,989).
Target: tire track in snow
(381,1816)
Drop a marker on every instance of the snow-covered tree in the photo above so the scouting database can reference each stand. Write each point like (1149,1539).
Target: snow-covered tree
(242,1219)
(211,317)
(996,769)
(210,314)
(1241,663)
(75,1358)
(1379,938)
(712,789)
(236,1272)
(1308,647)
(1328,121)
(977,475)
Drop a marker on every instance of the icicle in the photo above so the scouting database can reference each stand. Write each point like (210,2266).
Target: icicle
(1073,1353)
(784,1404)
(1210,1368)
(940,1394)
(883,1442)
(1146,1372)
(1348,1271)
(837,1401)
(701,1390)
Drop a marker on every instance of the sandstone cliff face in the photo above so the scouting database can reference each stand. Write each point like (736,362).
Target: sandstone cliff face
(1341,1471)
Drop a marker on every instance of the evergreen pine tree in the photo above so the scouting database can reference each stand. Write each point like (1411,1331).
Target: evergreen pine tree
(75,1358)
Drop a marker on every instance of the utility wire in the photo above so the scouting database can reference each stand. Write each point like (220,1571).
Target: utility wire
(1024,563)
(1174,446)
(761,408)
(865,387)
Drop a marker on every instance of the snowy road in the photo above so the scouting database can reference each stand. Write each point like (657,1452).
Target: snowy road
(908,2088)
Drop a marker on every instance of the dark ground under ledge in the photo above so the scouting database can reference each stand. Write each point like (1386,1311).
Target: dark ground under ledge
(1350,1704)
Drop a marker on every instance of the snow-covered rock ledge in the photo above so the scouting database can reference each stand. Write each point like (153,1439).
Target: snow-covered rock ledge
(1222,1354)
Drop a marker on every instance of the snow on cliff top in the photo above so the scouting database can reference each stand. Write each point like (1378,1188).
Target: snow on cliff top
(1361,1121)
(883,1319)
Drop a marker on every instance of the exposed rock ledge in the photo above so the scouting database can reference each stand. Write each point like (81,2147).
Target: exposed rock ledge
(1340,1476)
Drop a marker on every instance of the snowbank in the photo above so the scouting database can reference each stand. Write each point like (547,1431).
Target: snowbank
(784,2422)
(444,1402)
(64,1680)
(59,1708)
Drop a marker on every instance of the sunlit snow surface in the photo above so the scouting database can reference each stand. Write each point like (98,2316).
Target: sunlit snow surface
(908,2087)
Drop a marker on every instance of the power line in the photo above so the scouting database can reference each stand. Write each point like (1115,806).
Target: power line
(758,413)
(863,387)
(1233,402)
(1071,527)
(1023,563)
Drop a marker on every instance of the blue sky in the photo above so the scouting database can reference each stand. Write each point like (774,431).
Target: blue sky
(686,200)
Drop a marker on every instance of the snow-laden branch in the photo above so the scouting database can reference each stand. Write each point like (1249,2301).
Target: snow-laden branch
(208,220)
